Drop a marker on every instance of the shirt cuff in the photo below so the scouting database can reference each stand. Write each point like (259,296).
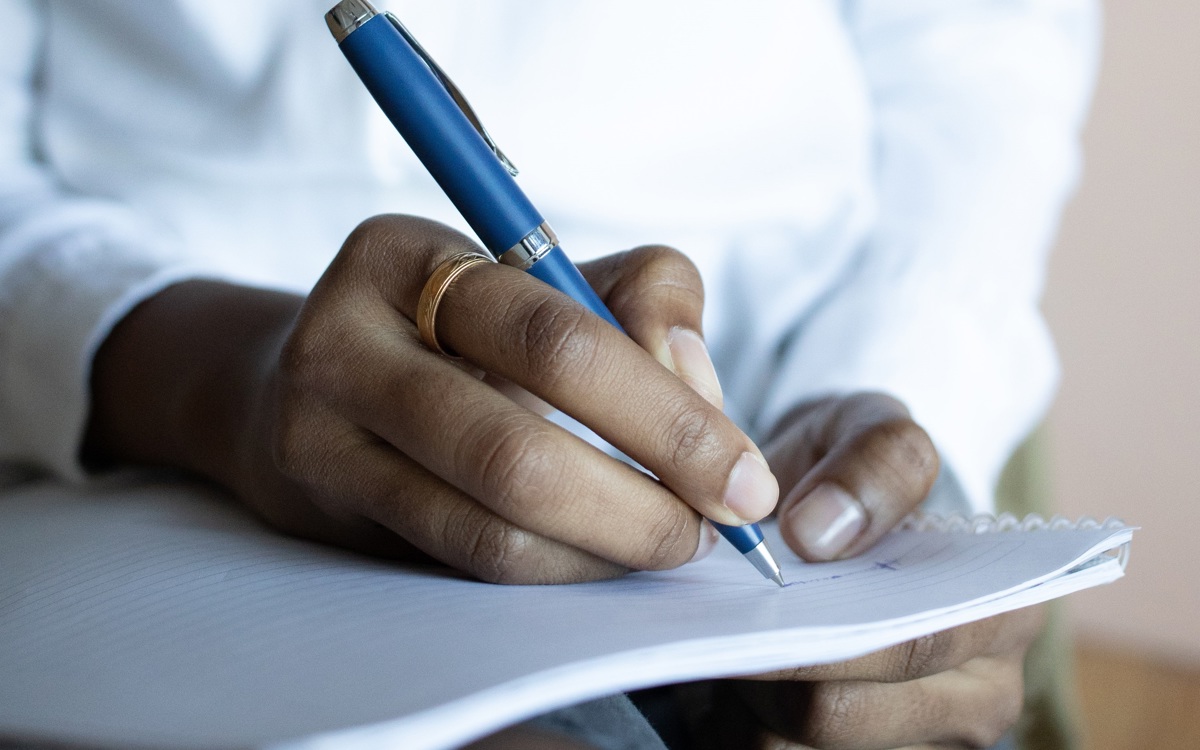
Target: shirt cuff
(63,304)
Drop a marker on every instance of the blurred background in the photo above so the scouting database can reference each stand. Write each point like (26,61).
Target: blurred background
(1123,300)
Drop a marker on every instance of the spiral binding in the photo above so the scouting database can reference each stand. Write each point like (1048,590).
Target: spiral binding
(986,523)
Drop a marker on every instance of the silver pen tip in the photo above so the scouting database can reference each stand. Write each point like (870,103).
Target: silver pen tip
(778,579)
(760,557)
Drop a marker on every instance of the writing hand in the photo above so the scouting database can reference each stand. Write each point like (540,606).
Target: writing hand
(328,417)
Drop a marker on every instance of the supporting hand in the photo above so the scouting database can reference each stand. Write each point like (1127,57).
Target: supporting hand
(961,688)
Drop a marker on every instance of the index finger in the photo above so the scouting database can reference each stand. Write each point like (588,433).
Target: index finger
(509,323)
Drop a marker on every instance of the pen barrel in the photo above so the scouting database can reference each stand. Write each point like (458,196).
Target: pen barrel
(743,538)
(440,135)
(472,176)
(557,270)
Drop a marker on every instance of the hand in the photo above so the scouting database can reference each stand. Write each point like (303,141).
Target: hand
(960,688)
(852,467)
(329,418)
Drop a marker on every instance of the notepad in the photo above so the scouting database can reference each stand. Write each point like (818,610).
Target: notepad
(159,614)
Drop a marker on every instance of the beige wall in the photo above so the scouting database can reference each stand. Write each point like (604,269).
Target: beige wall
(1124,302)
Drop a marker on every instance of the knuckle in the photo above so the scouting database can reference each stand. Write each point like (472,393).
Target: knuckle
(360,244)
(831,714)
(371,249)
(515,468)
(693,438)
(667,265)
(384,228)
(913,445)
(307,360)
(499,553)
(667,546)
(554,341)
(369,226)
(920,656)
(907,452)
(658,271)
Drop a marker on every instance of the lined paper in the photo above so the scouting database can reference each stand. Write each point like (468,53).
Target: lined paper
(157,614)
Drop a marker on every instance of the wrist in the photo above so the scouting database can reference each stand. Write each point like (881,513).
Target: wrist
(177,380)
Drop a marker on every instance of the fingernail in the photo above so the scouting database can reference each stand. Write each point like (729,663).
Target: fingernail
(751,491)
(826,521)
(692,364)
(708,541)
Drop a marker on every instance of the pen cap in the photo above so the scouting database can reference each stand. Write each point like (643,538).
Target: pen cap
(436,129)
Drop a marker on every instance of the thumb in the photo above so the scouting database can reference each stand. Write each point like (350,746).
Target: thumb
(657,295)
(856,465)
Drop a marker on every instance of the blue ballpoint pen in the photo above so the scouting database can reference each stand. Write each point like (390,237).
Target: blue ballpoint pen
(443,131)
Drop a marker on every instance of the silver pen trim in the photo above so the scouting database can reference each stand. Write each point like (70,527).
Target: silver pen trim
(347,16)
(532,248)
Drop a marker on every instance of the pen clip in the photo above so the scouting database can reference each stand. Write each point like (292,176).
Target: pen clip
(453,91)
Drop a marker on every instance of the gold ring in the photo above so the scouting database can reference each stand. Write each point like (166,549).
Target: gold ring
(433,291)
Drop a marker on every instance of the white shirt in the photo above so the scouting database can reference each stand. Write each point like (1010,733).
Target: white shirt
(868,188)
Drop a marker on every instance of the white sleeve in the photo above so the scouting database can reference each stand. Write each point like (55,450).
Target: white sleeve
(70,267)
(977,106)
